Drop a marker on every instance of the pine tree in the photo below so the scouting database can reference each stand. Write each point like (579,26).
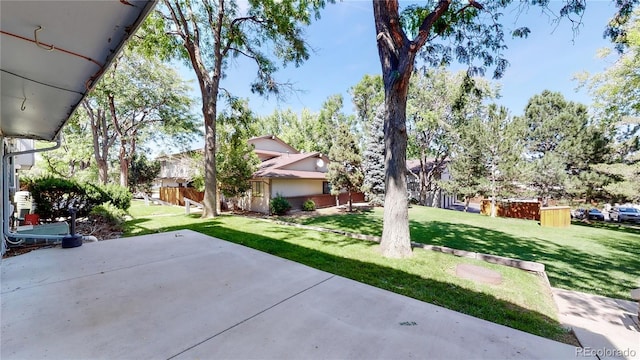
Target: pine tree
(373,159)
(467,165)
(345,170)
(503,142)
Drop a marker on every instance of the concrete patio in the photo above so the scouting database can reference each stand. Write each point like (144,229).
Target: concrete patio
(186,295)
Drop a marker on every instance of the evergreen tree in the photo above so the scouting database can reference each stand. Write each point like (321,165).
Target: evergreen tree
(373,159)
(345,170)
(467,165)
(502,139)
(142,173)
(562,142)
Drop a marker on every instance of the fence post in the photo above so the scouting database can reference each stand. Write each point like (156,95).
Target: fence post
(187,206)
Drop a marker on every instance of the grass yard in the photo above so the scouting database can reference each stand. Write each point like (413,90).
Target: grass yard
(522,301)
(601,259)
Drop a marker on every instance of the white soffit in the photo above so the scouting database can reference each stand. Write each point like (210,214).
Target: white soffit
(41,88)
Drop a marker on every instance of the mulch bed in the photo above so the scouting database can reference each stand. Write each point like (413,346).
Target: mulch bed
(84,226)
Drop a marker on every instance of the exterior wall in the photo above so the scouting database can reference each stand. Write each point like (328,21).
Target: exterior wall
(257,203)
(325,200)
(309,164)
(176,168)
(272,145)
(25,161)
(295,187)
(172,182)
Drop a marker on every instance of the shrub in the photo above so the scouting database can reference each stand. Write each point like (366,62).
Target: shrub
(54,196)
(308,205)
(119,196)
(108,213)
(279,205)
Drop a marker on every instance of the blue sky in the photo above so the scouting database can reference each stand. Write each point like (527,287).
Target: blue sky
(344,49)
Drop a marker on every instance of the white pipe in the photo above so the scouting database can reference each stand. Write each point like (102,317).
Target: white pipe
(6,233)
(88,238)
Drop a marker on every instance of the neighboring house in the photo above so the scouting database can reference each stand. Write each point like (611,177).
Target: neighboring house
(287,172)
(436,198)
(177,170)
(283,171)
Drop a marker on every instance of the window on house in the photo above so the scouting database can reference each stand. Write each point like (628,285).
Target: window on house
(326,187)
(256,188)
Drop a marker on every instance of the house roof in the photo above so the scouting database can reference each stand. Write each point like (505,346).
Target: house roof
(274,138)
(290,174)
(53,54)
(187,154)
(274,167)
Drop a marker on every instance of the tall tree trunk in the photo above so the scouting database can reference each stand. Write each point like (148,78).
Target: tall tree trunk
(210,184)
(397,56)
(103,170)
(124,164)
(396,240)
(424,190)
(350,202)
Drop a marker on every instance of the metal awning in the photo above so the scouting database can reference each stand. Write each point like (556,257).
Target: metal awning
(52,53)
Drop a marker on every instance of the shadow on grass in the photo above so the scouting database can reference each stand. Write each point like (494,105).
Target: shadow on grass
(613,226)
(360,223)
(567,267)
(451,296)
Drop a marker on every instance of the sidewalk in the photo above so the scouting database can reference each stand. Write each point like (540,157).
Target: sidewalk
(608,327)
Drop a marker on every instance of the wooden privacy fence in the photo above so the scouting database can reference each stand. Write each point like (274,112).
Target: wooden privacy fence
(513,209)
(175,195)
(555,216)
(324,200)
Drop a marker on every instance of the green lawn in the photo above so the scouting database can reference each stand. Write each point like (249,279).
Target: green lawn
(522,301)
(602,259)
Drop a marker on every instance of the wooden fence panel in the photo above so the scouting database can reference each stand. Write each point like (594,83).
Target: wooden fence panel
(513,209)
(555,216)
(174,195)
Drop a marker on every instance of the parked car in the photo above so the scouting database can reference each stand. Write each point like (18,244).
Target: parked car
(578,213)
(620,214)
(595,214)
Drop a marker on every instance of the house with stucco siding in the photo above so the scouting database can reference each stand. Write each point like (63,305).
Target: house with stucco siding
(287,172)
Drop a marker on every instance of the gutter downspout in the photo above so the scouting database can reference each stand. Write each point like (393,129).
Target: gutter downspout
(6,233)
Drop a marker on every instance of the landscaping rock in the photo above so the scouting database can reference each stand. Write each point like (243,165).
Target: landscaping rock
(479,274)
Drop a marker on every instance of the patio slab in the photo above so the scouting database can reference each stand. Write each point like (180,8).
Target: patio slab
(186,295)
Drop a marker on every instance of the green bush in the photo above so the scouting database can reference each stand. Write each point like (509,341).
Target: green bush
(279,205)
(108,213)
(54,196)
(119,196)
(308,205)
